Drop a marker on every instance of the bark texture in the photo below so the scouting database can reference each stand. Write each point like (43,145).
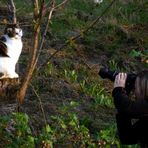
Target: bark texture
(8,95)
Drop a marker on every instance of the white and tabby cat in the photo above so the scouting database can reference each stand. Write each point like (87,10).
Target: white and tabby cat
(10,50)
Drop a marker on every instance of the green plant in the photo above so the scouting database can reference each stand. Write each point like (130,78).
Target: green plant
(109,135)
(71,75)
(113,65)
(49,69)
(23,135)
(97,92)
(16,131)
(5,137)
(47,137)
(135,53)
(139,54)
(69,131)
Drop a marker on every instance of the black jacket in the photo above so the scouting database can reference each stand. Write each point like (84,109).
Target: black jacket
(131,131)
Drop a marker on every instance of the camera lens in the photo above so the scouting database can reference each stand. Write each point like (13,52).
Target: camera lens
(106,73)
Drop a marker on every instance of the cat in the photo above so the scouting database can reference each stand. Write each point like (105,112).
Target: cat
(10,50)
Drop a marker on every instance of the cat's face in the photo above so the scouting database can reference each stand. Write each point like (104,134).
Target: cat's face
(13,31)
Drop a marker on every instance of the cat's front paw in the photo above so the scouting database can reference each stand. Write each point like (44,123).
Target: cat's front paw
(11,76)
(15,75)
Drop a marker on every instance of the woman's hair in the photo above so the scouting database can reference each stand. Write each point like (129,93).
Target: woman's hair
(141,85)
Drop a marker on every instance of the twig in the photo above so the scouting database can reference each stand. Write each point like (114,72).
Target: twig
(45,31)
(40,102)
(57,6)
(38,16)
(60,4)
(36,8)
(37,47)
(79,35)
(94,22)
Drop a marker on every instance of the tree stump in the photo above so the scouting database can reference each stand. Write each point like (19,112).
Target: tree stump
(8,95)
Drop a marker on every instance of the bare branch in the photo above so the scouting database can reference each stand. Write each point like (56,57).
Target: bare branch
(62,3)
(55,7)
(45,31)
(80,34)
(39,12)
(36,8)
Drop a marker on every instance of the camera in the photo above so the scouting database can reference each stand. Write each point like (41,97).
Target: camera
(105,72)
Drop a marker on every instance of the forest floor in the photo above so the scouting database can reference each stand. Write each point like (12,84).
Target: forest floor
(51,88)
(54,85)
(72,74)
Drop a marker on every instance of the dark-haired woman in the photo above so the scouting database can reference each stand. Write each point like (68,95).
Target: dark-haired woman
(132,115)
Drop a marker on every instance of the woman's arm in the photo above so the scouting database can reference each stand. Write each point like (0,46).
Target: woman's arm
(123,103)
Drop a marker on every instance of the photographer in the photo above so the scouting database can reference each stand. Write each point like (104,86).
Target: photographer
(132,131)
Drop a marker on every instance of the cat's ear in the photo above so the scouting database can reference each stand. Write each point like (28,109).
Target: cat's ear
(17,25)
(8,30)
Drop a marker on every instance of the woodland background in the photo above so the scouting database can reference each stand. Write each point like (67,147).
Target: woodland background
(67,104)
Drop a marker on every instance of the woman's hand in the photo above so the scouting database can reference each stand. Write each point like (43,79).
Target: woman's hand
(120,80)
